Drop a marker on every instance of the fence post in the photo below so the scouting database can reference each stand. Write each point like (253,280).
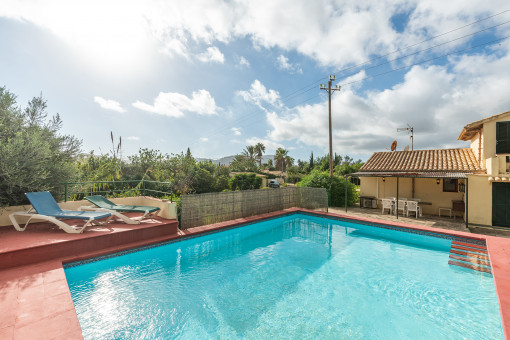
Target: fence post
(233,204)
(345,194)
(171,192)
(65,192)
(143,186)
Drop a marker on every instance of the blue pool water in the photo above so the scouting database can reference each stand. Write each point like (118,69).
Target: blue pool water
(293,277)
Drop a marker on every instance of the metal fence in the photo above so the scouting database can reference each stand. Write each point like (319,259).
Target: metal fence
(77,190)
(211,208)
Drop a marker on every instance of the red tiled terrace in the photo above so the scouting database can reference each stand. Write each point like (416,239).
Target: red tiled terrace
(35,301)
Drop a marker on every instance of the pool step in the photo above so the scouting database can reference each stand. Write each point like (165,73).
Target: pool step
(470,256)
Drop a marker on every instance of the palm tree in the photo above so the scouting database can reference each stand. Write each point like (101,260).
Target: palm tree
(288,162)
(259,151)
(280,159)
(249,152)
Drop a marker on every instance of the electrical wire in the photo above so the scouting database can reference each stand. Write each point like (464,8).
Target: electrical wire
(423,41)
(312,85)
(405,48)
(493,42)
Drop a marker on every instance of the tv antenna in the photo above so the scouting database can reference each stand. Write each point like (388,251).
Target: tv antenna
(409,130)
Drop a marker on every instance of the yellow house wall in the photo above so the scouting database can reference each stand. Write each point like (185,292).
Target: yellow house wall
(368,186)
(495,164)
(489,134)
(477,148)
(388,187)
(479,200)
(168,210)
(426,189)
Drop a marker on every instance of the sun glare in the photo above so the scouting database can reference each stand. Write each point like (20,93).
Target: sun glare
(110,36)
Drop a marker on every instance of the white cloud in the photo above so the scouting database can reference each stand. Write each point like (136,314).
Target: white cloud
(310,29)
(212,54)
(133,138)
(236,131)
(204,139)
(174,104)
(244,62)
(334,33)
(355,81)
(282,63)
(109,104)
(436,100)
(259,94)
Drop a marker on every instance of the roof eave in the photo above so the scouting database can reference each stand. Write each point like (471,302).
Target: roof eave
(469,132)
(480,122)
(416,174)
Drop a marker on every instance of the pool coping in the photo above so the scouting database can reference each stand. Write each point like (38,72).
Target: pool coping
(51,311)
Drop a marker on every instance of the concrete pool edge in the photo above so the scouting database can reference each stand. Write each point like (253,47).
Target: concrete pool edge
(56,318)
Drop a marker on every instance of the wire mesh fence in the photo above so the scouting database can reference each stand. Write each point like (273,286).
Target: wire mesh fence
(211,208)
(72,191)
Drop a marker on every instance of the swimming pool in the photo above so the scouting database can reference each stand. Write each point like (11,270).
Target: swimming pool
(297,276)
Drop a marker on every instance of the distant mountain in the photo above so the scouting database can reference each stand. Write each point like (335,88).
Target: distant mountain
(226,160)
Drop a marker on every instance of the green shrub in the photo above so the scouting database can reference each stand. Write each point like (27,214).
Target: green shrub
(293,178)
(245,182)
(335,186)
(34,156)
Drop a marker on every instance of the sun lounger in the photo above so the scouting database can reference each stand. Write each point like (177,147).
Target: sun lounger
(103,204)
(44,207)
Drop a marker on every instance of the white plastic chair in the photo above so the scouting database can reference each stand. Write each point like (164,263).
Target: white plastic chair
(402,205)
(387,204)
(416,199)
(413,206)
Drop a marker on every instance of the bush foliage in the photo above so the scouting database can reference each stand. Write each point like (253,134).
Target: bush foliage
(34,156)
(245,182)
(335,186)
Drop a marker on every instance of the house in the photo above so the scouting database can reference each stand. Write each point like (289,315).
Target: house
(474,182)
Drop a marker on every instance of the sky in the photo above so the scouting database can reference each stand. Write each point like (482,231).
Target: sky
(216,76)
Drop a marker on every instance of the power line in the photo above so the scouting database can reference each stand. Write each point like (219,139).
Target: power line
(427,60)
(247,116)
(430,48)
(312,86)
(421,42)
(292,94)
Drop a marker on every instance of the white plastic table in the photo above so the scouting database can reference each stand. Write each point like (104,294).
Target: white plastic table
(447,209)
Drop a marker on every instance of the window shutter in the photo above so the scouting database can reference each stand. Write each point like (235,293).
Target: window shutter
(502,137)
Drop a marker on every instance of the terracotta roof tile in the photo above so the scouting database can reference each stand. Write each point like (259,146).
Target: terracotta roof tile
(454,160)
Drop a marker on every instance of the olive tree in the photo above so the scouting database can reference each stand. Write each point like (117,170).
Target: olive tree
(34,156)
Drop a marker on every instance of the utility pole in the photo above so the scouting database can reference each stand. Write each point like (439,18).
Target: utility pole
(330,91)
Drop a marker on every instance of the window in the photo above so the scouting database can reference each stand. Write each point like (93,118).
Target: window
(502,137)
(449,185)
